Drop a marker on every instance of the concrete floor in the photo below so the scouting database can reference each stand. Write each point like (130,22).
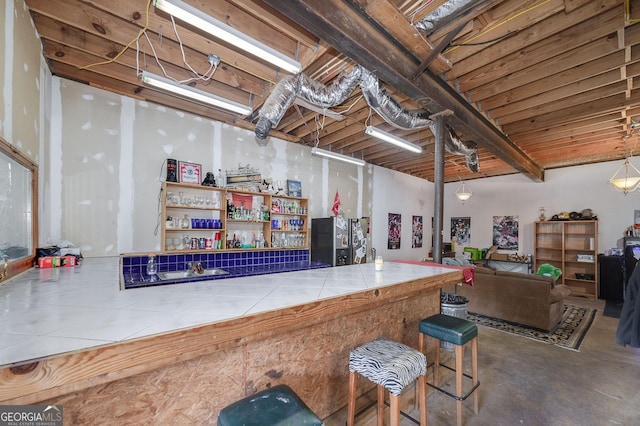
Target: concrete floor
(524,382)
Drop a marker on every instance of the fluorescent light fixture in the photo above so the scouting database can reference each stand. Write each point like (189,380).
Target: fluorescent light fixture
(218,29)
(336,156)
(388,137)
(191,93)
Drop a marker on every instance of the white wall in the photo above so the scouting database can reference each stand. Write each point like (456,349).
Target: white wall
(567,189)
(106,153)
(105,164)
(408,196)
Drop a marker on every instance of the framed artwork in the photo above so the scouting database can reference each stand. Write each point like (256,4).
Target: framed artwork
(505,232)
(294,188)
(416,232)
(461,229)
(395,226)
(189,173)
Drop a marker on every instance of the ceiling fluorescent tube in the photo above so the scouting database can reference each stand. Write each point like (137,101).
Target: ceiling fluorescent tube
(218,29)
(336,156)
(388,137)
(191,93)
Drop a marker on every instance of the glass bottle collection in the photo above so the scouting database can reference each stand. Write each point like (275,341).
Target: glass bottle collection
(282,229)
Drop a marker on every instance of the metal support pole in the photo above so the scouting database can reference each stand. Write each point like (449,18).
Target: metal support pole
(438,180)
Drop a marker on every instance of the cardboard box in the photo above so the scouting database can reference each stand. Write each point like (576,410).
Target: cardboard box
(499,256)
(56,261)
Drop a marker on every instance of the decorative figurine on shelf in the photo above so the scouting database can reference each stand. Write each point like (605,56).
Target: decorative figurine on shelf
(542,216)
(220,179)
(209,180)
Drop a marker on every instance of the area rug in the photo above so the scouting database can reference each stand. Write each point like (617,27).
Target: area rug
(576,321)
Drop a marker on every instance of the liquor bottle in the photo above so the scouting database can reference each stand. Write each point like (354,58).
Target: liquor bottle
(152,267)
(172,170)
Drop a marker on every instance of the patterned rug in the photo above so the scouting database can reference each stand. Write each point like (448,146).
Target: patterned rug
(575,324)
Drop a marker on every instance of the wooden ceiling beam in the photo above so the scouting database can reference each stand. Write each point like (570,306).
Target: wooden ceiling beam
(594,88)
(169,54)
(354,35)
(575,78)
(470,75)
(576,127)
(398,26)
(519,26)
(605,47)
(593,108)
(578,101)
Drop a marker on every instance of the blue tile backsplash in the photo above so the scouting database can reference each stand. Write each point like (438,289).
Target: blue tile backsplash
(237,264)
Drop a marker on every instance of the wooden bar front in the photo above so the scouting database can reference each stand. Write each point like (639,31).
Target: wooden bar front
(189,375)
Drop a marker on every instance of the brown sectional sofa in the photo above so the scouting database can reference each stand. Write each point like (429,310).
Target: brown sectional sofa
(530,300)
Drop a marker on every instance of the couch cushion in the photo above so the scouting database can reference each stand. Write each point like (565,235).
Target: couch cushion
(483,270)
(542,278)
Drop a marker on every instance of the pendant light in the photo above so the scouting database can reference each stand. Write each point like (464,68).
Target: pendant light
(462,194)
(627,178)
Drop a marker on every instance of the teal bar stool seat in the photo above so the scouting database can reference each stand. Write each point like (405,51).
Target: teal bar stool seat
(458,332)
(277,406)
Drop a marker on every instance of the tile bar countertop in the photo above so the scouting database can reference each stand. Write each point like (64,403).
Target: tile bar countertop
(70,330)
(44,312)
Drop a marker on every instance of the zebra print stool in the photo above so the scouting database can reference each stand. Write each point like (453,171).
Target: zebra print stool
(392,366)
(457,331)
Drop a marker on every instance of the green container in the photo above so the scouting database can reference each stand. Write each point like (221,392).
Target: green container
(475,253)
(549,270)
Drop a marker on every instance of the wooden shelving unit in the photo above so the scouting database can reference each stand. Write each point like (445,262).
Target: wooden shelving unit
(571,246)
(249,220)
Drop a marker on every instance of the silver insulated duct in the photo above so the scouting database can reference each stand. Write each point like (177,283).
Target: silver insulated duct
(375,95)
(444,14)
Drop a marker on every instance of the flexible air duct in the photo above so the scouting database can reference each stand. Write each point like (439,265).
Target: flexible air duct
(375,95)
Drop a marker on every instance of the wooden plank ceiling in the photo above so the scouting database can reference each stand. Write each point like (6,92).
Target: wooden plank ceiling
(537,84)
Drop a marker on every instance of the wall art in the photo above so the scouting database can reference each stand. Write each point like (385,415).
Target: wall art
(505,232)
(461,230)
(395,226)
(416,232)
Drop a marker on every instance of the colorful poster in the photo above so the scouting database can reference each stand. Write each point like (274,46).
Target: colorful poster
(416,232)
(395,226)
(461,230)
(505,232)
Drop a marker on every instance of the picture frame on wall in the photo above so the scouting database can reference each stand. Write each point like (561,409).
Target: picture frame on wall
(190,173)
(294,188)
(394,231)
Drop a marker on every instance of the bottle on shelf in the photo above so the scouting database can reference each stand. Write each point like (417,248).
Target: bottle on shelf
(220,180)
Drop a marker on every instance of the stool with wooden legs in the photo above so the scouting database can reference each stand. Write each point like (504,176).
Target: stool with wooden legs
(391,366)
(457,331)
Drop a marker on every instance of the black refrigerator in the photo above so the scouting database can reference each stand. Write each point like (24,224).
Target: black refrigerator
(610,277)
(631,254)
(338,241)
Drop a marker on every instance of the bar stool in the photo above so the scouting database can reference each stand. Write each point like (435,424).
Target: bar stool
(278,405)
(457,331)
(391,366)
